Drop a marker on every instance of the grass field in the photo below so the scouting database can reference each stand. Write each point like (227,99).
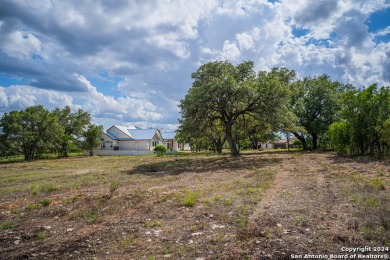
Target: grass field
(260,205)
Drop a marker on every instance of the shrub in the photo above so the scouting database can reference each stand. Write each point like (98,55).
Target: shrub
(160,149)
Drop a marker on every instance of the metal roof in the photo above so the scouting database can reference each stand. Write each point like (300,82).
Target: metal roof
(133,134)
(111,135)
(168,135)
(142,134)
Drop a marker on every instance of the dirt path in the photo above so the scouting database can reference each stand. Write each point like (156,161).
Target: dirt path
(303,212)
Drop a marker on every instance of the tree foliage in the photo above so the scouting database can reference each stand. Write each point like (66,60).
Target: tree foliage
(315,102)
(31,132)
(92,137)
(340,137)
(36,130)
(74,125)
(252,130)
(221,93)
(366,113)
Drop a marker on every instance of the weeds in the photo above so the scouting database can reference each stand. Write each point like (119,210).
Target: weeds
(41,235)
(378,184)
(152,224)
(37,189)
(113,187)
(74,199)
(243,216)
(91,216)
(228,202)
(189,199)
(32,206)
(46,202)
(7,225)
(301,221)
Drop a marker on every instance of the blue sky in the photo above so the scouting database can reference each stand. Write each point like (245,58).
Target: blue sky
(130,62)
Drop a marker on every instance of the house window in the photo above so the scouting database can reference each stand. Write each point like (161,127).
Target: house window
(154,143)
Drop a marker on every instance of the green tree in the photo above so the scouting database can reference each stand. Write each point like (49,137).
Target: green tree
(367,112)
(253,130)
(92,137)
(31,131)
(385,132)
(340,137)
(223,92)
(315,102)
(189,132)
(74,125)
(201,134)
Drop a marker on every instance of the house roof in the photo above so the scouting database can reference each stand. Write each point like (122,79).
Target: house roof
(111,135)
(284,140)
(168,135)
(132,134)
(142,134)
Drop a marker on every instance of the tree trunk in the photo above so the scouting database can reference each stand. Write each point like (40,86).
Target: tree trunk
(302,139)
(219,145)
(27,153)
(315,141)
(233,149)
(254,142)
(288,142)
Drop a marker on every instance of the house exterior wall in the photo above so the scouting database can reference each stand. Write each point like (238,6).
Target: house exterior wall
(123,145)
(185,147)
(107,144)
(139,145)
(171,145)
(175,146)
(267,146)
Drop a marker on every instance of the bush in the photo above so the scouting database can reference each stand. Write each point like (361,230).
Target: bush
(160,149)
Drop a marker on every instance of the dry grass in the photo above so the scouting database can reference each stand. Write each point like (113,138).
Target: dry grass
(258,205)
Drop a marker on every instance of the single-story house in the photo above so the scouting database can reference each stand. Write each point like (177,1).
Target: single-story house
(267,145)
(282,143)
(123,140)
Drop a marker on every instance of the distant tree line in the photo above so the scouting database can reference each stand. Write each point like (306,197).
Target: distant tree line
(36,131)
(236,105)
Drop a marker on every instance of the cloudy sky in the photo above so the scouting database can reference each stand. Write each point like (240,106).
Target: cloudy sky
(130,61)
